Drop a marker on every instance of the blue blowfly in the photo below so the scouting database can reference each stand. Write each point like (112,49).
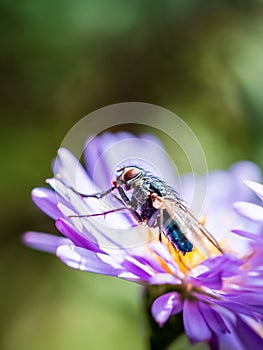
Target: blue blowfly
(152,201)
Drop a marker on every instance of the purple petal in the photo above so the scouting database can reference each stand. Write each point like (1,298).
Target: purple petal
(164,278)
(245,234)
(69,231)
(255,282)
(250,211)
(214,342)
(245,170)
(230,341)
(235,307)
(105,153)
(47,201)
(102,156)
(251,299)
(165,306)
(248,337)
(208,279)
(149,260)
(226,265)
(138,269)
(92,153)
(44,241)
(256,187)
(194,323)
(161,250)
(86,260)
(213,319)
(72,173)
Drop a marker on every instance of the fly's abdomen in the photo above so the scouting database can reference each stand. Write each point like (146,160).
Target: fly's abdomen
(176,236)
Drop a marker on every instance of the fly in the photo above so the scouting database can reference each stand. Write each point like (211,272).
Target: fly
(153,202)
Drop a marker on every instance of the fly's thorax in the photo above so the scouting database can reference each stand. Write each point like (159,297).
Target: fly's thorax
(141,195)
(140,192)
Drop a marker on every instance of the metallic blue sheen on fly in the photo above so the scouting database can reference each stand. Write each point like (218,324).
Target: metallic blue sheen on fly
(176,236)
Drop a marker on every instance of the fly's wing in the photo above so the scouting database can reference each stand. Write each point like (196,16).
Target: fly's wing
(190,226)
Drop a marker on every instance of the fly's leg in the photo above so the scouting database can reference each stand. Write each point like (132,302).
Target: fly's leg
(98,195)
(130,204)
(136,215)
(94,195)
(100,214)
(124,200)
(159,221)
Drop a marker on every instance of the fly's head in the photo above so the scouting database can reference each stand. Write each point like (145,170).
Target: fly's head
(129,175)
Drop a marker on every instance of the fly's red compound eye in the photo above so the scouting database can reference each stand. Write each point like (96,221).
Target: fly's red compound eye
(131,174)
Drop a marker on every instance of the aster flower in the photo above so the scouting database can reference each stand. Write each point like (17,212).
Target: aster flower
(220,296)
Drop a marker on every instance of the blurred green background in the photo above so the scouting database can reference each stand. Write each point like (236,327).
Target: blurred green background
(61,60)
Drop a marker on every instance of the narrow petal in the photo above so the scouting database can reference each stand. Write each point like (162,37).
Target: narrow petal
(246,297)
(86,260)
(47,200)
(256,187)
(44,241)
(149,260)
(231,341)
(251,299)
(69,231)
(225,264)
(210,280)
(250,211)
(164,278)
(213,319)
(92,154)
(247,336)
(72,172)
(214,342)
(137,268)
(235,307)
(246,234)
(161,250)
(194,323)
(165,306)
